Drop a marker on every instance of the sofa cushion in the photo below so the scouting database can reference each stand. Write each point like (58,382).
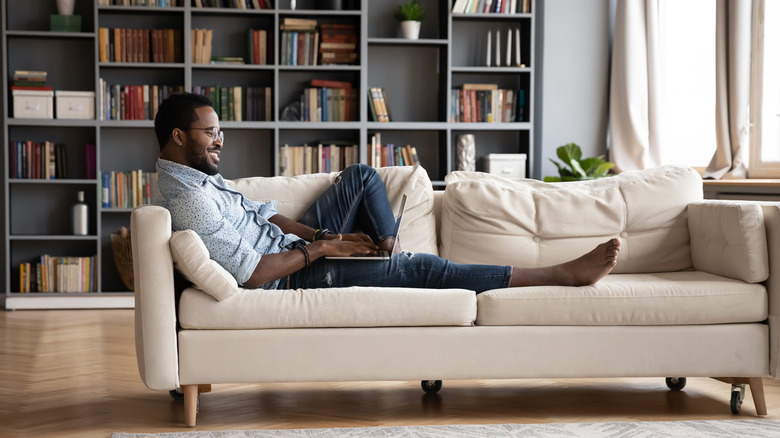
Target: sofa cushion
(529,223)
(728,238)
(191,258)
(333,307)
(295,194)
(672,298)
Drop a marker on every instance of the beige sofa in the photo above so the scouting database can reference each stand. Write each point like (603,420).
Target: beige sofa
(692,294)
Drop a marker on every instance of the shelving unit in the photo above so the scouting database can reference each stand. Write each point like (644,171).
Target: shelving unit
(418,76)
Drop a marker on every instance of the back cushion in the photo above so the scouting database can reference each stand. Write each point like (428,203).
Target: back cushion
(295,194)
(529,223)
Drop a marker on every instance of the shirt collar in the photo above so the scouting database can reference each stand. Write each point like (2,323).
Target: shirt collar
(185,174)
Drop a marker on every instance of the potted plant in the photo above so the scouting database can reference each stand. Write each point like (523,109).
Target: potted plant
(410,14)
(574,168)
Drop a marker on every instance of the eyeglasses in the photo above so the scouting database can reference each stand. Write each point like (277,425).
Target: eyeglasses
(214,133)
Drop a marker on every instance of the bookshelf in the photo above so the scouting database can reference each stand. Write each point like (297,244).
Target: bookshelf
(417,75)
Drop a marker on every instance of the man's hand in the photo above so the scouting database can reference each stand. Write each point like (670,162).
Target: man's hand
(353,237)
(344,245)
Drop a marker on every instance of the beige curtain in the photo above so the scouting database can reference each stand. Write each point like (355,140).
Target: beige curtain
(732,104)
(635,129)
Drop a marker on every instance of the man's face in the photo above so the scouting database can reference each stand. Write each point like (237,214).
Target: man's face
(202,146)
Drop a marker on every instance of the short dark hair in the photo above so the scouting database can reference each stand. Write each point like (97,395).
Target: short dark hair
(177,111)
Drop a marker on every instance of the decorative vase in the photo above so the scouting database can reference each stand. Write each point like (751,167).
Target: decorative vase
(466,152)
(410,29)
(65,7)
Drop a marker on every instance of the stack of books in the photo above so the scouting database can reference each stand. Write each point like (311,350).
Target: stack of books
(239,103)
(328,101)
(41,160)
(380,155)
(477,103)
(58,274)
(30,80)
(127,189)
(140,45)
(300,40)
(328,156)
(491,6)
(201,45)
(338,43)
(257,47)
(232,4)
(132,102)
(377,105)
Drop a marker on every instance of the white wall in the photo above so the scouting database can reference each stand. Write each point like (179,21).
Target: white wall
(573,83)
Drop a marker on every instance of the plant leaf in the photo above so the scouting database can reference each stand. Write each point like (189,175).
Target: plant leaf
(603,170)
(569,152)
(552,179)
(578,169)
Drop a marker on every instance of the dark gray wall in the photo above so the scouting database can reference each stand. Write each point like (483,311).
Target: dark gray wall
(573,83)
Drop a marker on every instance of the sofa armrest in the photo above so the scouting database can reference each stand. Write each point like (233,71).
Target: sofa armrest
(728,238)
(772,223)
(155,306)
(762,252)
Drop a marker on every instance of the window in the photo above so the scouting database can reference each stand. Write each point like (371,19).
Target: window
(687,82)
(765,91)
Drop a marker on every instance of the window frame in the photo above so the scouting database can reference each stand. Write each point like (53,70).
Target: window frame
(757,168)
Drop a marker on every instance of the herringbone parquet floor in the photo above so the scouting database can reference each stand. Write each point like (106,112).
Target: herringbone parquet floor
(73,373)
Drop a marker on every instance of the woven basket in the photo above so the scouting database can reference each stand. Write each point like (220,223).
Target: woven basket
(123,256)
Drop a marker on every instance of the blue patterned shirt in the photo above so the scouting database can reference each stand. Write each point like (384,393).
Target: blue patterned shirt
(234,229)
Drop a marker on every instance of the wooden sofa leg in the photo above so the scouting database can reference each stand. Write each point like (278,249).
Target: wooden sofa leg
(190,404)
(757,389)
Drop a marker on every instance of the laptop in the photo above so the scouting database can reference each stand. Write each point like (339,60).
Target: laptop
(380,255)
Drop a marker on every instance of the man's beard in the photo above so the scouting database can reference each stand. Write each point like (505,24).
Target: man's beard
(199,160)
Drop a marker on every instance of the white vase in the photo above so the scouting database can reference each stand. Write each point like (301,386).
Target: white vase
(466,151)
(65,7)
(410,29)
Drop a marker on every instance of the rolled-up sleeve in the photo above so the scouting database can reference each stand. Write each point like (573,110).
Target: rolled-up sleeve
(226,245)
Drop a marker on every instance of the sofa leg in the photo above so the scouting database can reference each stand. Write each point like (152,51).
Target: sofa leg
(756,389)
(190,404)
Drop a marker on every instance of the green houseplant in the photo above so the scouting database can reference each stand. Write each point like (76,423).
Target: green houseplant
(574,168)
(410,14)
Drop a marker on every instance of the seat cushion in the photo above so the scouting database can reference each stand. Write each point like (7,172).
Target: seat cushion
(334,307)
(673,298)
(295,194)
(529,223)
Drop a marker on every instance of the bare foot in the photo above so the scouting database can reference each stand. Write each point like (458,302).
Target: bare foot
(582,271)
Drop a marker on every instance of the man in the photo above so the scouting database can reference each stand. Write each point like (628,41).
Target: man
(262,248)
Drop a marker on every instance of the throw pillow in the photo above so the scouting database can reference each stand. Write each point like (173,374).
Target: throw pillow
(191,258)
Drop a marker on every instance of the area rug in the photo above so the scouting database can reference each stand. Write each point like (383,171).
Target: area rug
(645,429)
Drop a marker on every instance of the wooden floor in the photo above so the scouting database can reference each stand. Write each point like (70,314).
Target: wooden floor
(74,373)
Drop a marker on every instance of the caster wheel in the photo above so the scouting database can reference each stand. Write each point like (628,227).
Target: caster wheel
(737,397)
(676,383)
(176,394)
(431,386)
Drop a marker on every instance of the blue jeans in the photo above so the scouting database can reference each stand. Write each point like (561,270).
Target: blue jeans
(358,200)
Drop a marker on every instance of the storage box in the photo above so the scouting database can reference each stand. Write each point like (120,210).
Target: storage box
(507,165)
(33,104)
(75,104)
(65,23)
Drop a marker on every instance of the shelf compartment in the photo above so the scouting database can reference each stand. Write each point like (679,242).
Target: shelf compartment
(30,251)
(493,142)
(34,15)
(470,40)
(384,25)
(63,72)
(414,85)
(34,212)
(74,138)
(431,146)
